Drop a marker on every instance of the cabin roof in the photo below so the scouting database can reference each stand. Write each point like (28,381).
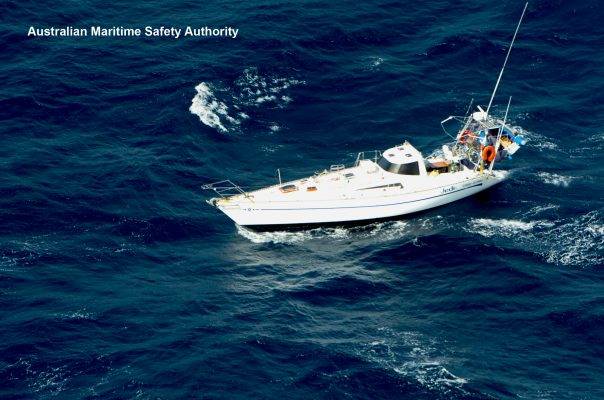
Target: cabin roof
(402,154)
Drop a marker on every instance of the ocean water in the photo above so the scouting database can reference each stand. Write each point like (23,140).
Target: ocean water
(118,281)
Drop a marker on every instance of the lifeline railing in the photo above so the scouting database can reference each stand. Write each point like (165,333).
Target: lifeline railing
(224,188)
(227,188)
(375,154)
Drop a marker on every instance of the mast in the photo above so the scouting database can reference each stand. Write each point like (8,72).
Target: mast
(506,59)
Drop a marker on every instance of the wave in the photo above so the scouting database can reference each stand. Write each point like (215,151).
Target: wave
(211,111)
(82,314)
(389,230)
(291,237)
(255,89)
(374,62)
(588,148)
(555,179)
(346,288)
(536,140)
(502,227)
(414,356)
(577,241)
(541,209)
(338,39)
(41,378)
(410,229)
(227,111)
(573,241)
(27,252)
(452,45)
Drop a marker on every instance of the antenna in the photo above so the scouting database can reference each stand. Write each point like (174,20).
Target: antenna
(469,107)
(506,59)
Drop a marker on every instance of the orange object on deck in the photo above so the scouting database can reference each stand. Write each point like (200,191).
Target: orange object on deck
(488,153)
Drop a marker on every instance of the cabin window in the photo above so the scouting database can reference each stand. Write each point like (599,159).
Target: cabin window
(411,168)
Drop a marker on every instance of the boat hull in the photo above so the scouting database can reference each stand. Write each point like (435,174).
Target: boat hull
(348,209)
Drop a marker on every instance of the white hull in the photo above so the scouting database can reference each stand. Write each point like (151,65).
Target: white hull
(352,207)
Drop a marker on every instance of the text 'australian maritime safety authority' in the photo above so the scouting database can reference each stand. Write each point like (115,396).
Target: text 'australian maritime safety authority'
(147,31)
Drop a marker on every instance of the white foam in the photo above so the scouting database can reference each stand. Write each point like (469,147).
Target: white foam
(209,109)
(547,145)
(76,315)
(414,356)
(502,227)
(279,237)
(589,148)
(574,241)
(52,380)
(263,99)
(250,90)
(292,237)
(536,140)
(256,89)
(377,61)
(7,264)
(390,230)
(578,241)
(541,208)
(555,179)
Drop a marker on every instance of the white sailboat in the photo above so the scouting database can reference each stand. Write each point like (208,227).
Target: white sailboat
(389,184)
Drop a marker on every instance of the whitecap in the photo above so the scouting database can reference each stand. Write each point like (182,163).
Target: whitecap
(502,227)
(263,99)
(389,230)
(376,61)
(250,90)
(541,208)
(536,140)
(277,237)
(292,237)
(555,179)
(412,355)
(7,264)
(52,380)
(209,109)
(256,89)
(76,315)
(574,241)
(578,241)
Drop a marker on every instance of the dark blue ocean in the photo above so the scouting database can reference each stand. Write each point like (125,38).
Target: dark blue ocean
(118,281)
